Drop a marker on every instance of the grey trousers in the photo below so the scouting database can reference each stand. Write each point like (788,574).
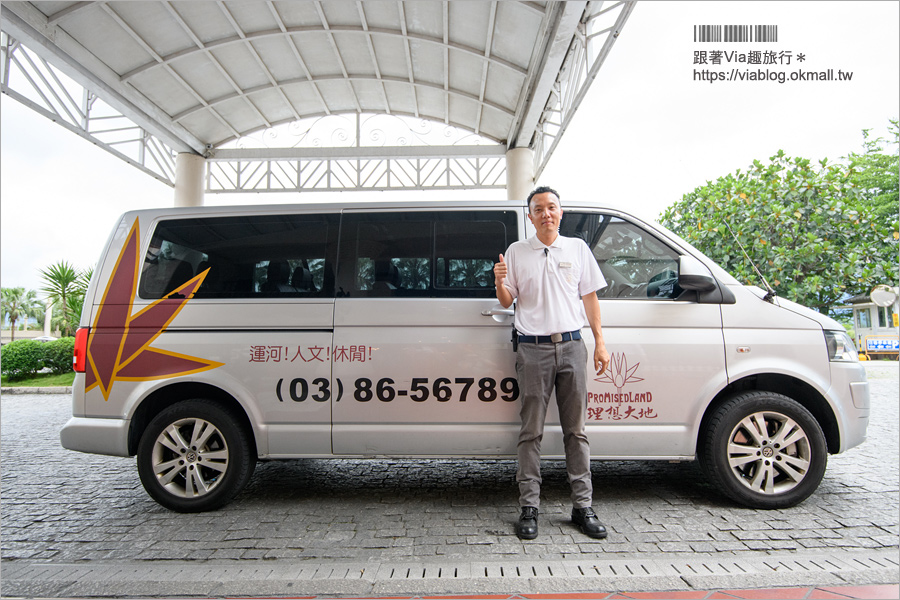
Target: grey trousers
(540,368)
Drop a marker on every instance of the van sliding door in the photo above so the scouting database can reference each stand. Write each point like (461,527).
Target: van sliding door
(418,369)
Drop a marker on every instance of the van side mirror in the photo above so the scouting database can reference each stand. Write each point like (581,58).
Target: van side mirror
(693,275)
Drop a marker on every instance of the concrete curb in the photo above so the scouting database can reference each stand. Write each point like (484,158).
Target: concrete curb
(286,577)
(36,390)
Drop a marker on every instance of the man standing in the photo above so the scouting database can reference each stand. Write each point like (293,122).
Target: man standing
(555,280)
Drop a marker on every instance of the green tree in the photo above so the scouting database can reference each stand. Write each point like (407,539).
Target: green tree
(19,304)
(65,288)
(76,301)
(875,173)
(802,223)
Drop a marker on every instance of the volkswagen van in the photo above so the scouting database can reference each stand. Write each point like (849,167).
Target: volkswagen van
(216,337)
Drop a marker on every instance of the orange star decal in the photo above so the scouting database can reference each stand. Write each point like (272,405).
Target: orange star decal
(118,348)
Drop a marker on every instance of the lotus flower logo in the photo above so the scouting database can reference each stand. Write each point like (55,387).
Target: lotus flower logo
(619,373)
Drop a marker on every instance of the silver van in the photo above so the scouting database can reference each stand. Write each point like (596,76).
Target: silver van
(215,337)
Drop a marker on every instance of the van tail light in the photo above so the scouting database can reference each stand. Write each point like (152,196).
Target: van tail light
(79,358)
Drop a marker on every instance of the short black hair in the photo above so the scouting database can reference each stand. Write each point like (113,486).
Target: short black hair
(541,190)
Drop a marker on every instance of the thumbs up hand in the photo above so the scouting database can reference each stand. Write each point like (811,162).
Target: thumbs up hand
(503,293)
(500,271)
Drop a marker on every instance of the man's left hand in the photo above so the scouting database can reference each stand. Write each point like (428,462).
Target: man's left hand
(601,359)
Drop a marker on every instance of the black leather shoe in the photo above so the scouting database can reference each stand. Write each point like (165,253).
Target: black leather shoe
(588,522)
(527,527)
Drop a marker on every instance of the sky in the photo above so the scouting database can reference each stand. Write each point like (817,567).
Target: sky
(651,129)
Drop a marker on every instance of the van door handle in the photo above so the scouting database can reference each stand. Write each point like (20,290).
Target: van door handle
(505,312)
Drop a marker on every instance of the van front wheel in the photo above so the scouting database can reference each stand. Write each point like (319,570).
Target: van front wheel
(764,450)
(194,456)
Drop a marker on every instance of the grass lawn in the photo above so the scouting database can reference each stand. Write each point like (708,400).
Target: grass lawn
(41,380)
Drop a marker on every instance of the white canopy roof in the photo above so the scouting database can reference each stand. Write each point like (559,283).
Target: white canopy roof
(200,74)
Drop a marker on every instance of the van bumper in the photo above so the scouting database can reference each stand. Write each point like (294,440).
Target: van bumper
(850,390)
(96,436)
(855,431)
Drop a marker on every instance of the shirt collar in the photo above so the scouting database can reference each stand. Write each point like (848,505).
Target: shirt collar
(537,244)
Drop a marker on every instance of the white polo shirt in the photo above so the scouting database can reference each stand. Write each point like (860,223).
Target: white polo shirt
(548,283)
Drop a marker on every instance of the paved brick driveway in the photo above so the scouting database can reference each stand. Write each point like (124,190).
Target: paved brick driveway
(60,507)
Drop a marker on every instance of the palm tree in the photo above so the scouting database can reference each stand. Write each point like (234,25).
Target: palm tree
(65,288)
(17,303)
(76,301)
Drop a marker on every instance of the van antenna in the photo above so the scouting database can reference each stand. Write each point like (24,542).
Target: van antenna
(770,293)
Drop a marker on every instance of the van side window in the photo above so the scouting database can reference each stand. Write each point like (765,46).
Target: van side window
(634,262)
(465,254)
(423,254)
(263,256)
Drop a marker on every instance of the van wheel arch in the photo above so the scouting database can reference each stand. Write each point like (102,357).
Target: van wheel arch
(793,388)
(165,397)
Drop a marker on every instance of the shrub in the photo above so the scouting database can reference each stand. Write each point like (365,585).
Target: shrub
(21,359)
(57,354)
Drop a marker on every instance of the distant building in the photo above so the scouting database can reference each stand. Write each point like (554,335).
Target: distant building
(876,327)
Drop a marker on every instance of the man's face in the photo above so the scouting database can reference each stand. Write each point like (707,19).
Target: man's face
(545,213)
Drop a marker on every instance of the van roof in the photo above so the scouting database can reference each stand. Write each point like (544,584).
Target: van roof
(334,207)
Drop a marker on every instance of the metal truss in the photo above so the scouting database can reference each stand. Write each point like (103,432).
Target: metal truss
(357,168)
(31,80)
(37,84)
(594,36)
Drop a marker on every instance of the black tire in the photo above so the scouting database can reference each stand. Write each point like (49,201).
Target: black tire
(742,450)
(173,448)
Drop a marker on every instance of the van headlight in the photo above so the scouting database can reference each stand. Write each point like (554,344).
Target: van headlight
(840,347)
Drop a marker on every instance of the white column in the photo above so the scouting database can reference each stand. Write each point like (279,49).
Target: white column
(48,317)
(519,173)
(190,170)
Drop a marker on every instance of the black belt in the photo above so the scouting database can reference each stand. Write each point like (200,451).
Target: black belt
(550,339)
